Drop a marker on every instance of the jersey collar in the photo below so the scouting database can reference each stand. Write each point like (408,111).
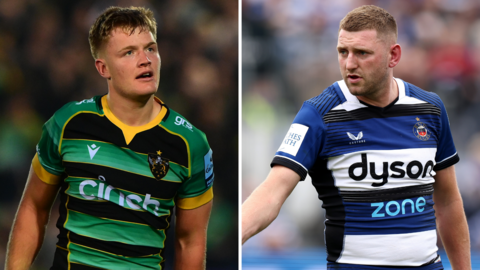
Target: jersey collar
(130,131)
(353,102)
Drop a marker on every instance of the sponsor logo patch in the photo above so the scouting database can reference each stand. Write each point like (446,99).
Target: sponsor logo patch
(86,101)
(208,161)
(179,121)
(356,139)
(92,150)
(101,190)
(413,169)
(293,140)
(402,207)
(158,165)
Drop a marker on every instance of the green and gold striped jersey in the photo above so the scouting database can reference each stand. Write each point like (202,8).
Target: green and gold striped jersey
(119,183)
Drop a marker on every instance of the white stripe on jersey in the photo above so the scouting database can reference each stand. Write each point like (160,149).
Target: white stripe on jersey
(293,161)
(353,103)
(448,157)
(353,99)
(409,249)
(410,100)
(340,165)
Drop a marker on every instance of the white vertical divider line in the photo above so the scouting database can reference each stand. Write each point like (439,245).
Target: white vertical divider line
(240,134)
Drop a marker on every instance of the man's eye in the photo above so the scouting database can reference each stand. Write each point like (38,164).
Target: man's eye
(128,53)
(150,49)
(363,53)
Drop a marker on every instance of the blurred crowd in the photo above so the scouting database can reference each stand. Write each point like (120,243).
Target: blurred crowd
(289,55)
(45,62)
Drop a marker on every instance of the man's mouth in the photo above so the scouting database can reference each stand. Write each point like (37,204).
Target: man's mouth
(145,75)
(352,78)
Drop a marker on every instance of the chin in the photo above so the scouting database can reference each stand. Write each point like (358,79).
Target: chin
(146,90)
(355,90)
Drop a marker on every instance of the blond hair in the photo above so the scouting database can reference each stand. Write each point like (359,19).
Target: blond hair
(128,19)
(370,18)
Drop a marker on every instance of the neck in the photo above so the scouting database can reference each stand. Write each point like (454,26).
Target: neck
(383,98)
(133,112)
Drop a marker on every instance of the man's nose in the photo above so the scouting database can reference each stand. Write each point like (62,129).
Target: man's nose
(351,62)
(144,60)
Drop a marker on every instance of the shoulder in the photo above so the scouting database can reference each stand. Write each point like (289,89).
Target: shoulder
(63,115)
(177,124)
(91,105)
(320,105)
(328,99)
(417,92)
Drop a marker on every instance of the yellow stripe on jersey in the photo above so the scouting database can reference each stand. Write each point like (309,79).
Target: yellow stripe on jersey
(43,174)
(195,202)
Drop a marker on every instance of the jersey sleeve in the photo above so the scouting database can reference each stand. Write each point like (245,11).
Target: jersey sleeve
(301,146)
(446,155)
(197,189)
(47,162)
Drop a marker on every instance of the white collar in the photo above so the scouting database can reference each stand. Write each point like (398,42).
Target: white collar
(354,103)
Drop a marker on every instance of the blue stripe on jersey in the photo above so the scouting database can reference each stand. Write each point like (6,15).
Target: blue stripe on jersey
(391,217)
(327,100)
(344,266)
(421,94)
(400,132)
(446,148)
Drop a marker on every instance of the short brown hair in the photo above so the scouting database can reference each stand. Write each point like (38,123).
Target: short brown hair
(370,18)
(128,19)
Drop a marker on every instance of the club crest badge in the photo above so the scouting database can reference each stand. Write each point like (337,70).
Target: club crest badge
(420,130)
(158,165)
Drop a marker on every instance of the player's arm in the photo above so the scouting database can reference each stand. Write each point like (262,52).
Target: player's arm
(191,237)
(30,222)
(263,205)
(451,220)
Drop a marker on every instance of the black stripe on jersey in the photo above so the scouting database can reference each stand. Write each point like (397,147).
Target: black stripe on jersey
(111,210)
(172,146)
(88,126)
(165,117)
(60,260)
(447,163)
(387,194)
(113,247)
(291,165)
(368,113)
(78,266)
(124,180)
(64,198)
(324,183)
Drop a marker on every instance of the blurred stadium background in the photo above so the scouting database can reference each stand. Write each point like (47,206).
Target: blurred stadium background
(289,55)
(45,62)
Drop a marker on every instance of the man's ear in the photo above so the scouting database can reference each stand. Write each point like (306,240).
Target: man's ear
(395,55)
(102,68)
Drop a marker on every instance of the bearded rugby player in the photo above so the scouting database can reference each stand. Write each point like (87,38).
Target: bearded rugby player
(381,156)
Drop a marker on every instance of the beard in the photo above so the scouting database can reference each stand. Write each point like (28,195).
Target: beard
(371,85)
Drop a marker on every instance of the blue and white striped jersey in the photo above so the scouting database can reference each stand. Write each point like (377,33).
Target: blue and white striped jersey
(373,169)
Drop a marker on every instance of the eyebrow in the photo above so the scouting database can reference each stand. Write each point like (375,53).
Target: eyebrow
(131,47)
(339,47)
